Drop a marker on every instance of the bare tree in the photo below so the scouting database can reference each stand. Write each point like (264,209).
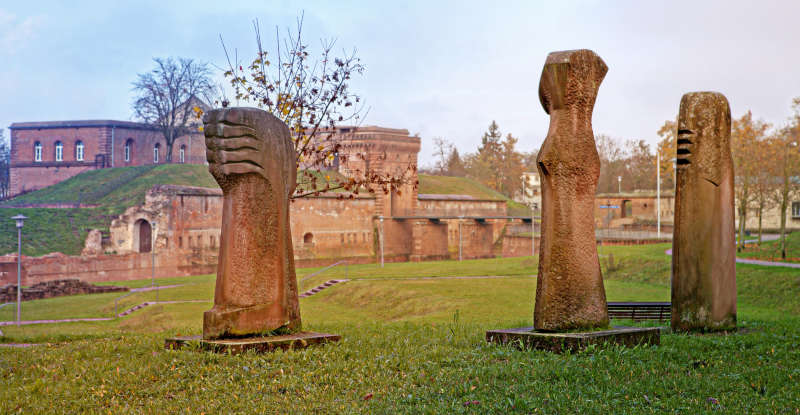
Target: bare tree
(441,150)
(787,167)
(165,95)
(746,136)
(312,96)
(5,164)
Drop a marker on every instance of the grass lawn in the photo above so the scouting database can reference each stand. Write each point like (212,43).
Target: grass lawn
(411,345)
(771,250)
(64,230)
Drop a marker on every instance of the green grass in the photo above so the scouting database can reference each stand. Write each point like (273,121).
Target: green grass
(412,346)
(771,250)
(113,190)
(449,185)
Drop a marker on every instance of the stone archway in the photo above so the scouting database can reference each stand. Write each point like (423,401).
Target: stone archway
(145,236)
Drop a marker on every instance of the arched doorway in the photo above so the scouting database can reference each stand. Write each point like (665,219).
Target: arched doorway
(627,209)
(145,233)
(308,238)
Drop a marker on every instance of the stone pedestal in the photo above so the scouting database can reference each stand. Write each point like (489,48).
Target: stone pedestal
(530,338)
(294,341)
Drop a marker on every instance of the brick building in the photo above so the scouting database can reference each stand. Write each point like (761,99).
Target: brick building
(45,153)
(181,224)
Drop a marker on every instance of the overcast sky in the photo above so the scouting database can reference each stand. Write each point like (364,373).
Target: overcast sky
(440,69)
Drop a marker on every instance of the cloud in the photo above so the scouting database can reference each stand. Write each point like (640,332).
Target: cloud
(16,32)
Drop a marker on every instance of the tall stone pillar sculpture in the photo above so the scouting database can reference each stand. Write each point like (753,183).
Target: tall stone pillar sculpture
(569,290)
(569,287)
(703,245)
(251,156)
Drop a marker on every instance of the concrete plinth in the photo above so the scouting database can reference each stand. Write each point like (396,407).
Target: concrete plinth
(529,338)
(257,344)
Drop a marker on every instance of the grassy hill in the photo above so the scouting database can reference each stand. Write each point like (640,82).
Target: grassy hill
(113,190)
(449,185)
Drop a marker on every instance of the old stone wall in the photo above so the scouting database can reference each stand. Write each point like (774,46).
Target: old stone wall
(441,205)
(610,209)
(429,240)
(331,227)
(514,246)
(55,288)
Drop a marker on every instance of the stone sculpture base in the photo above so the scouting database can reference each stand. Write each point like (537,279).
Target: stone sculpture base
(529,338)
(257,344)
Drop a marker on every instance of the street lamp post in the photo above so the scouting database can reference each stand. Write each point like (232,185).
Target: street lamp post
(619,183)
(381,239)
(20,221)
(658,196)
(153,262)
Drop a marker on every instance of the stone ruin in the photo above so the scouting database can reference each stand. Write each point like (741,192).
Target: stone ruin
(55,288)
(703,246)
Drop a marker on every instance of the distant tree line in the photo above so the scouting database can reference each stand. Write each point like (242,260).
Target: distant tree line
(5,165)
(496,164)
(766,163)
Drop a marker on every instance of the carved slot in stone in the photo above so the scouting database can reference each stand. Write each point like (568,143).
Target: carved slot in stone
(703,261)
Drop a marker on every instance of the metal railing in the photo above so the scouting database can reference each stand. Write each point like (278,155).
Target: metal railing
(325,269)
(116,301)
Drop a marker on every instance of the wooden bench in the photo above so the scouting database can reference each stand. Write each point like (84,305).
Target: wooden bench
(640,310)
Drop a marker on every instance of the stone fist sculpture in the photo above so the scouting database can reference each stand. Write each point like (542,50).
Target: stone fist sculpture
(251,156)
(703,244)
(569,288)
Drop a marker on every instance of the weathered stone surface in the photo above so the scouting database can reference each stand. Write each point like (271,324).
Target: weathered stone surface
(257,344)
(251,156)
(94,243)
(569,290)
(703,250)
(55,288)
(529,338)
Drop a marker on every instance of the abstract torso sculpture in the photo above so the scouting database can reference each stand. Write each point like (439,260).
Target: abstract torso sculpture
(251,156)
(703,247)
(569,290)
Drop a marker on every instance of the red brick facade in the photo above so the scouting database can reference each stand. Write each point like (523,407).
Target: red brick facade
(106,143)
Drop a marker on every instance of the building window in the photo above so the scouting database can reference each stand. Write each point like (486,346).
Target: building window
(182,153)
(796,210)
(79,151)
(59,151)
(155,152)
(308,238)
(128,145)
(37,151)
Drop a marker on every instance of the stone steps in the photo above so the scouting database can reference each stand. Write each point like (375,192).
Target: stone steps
(321,287)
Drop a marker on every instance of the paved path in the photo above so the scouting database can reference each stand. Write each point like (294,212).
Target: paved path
(92,319)
(152,288)
(466,277)
(757,262)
